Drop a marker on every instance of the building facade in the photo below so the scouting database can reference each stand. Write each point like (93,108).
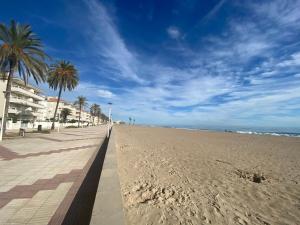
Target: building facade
(27,104)
(29,107)
(51,104)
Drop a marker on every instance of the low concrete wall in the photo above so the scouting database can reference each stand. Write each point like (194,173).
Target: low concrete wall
(108,205)
(78,210)
(45,125)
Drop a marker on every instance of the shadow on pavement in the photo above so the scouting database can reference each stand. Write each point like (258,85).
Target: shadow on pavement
(80,211)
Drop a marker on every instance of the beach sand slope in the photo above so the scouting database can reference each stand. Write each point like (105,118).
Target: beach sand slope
(173,176)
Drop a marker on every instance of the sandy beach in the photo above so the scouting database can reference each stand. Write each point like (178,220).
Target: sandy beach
(174,176)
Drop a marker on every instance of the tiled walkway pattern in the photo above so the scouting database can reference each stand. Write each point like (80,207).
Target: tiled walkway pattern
(36,172)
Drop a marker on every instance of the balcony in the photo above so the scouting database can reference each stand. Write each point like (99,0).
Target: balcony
(25,102)
(13,110)
(26,92)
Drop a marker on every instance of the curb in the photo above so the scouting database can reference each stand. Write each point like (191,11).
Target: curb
(108,205)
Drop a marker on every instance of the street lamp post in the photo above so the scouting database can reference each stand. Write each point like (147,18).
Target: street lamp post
(58,122)
(2,121)
(3,112)
(109,119)
(58,116)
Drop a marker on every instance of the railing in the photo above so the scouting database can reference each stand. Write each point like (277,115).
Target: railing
(14,111)
(26,92)
(45,125)
(27,103)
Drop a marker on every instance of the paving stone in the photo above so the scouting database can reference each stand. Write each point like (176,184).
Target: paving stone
(38,171)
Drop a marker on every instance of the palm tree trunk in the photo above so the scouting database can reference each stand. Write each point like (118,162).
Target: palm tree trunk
(7,96)
(79,115)
(58,100)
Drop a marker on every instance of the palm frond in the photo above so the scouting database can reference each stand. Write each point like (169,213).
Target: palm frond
(4,35)
(64,74)
(22,50)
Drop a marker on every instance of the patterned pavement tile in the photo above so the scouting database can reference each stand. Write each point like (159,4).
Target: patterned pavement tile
(38,172)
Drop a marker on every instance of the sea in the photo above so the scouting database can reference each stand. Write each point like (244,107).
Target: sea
(240,130)
(288,134)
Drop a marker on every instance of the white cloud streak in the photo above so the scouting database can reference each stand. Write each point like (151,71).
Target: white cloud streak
(108,43)
(105,93)
(219,85)
(173,32)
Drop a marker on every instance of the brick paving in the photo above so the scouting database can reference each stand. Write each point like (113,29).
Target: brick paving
(39,174)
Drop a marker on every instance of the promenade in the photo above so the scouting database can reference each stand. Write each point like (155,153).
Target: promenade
(41,173)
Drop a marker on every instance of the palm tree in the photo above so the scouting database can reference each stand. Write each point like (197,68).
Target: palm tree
(129,120)
(104,117)
(65,112)
(21,52)
(94,110)
(81,102)
(62,75)
(98,113)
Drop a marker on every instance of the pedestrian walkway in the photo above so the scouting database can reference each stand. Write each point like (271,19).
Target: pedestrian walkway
(41,173)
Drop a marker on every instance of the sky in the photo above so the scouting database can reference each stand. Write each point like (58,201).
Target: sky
(185,63)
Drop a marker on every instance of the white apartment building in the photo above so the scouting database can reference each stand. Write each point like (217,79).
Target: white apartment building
(28,108)
(73,110)
(51,104)
(85,116)
(26,102)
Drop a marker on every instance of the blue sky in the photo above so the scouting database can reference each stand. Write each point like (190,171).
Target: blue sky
(214,63)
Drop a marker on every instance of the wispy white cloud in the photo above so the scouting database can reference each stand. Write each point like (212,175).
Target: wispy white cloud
(173,32)
(105,93)
(294,60)
(284,13)
(108,44)
(239,77)
(213,11)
